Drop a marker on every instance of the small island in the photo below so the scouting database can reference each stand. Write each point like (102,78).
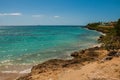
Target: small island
(100,62)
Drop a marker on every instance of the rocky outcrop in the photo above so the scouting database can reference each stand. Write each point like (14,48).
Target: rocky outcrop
(51,69)
(56,66)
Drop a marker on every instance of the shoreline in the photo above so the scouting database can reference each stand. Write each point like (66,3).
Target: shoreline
(87,63)
(24,70)
(5,67)
(53,69)
(59,63)
(12,72)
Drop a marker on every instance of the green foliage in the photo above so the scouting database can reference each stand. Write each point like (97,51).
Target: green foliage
(94,24)
(117,28)
(110,42)
(112,38)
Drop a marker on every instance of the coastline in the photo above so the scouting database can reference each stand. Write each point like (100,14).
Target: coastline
(87,64)
(51,69)
(55,69)
(22,70)
(56,66)
(12,72)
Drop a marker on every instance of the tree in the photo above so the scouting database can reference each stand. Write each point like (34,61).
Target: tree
(117,28)
(94,24)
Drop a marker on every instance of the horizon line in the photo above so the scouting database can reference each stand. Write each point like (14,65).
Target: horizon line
(42,25)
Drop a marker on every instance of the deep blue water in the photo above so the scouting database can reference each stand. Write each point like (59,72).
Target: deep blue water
(33,44)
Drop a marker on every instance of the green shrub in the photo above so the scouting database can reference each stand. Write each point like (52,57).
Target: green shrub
(117,28)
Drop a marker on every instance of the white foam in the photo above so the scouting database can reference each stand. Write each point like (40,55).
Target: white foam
(25,71)
(97,45)
(9,71)
(5,61)
(20,72)
(102,33)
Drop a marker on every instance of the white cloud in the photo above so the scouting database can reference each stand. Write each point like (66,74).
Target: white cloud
(37,15)
(10,14)
(56,16)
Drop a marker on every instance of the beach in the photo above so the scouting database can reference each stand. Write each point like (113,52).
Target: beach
(89,64)
(12,72)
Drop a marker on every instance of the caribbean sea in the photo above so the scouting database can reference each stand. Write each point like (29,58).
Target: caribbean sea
(35,44)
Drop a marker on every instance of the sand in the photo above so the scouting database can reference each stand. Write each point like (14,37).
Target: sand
(109,70)
(12,72)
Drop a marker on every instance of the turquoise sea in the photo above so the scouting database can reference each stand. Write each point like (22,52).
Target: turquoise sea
(34,44)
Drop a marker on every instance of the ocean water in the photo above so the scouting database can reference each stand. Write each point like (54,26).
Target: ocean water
(34,44)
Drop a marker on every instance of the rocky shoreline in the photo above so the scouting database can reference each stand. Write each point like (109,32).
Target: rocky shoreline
(51,69)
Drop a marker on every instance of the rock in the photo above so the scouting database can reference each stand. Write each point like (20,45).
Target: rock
(112,53)
(107,58)
(75,54)
(49,65)
(118,53)
(26,77)
(78,54)
(54,66)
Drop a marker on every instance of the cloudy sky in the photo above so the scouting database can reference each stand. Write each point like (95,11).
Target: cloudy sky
(57,12)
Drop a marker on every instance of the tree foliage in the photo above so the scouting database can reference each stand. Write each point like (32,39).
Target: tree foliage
(94,24)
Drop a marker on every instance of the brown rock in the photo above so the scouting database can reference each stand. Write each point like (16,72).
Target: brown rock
(112,53)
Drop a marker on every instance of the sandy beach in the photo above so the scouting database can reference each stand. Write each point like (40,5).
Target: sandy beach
(12,72)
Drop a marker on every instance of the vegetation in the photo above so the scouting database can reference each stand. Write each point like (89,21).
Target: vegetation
(99,26)
(112,38)
(117,28)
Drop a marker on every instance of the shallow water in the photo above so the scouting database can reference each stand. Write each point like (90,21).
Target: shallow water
(34,44)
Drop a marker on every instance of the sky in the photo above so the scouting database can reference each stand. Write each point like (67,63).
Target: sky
(58,12)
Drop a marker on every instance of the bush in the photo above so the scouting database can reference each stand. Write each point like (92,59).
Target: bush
(94,24)
(117,28)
